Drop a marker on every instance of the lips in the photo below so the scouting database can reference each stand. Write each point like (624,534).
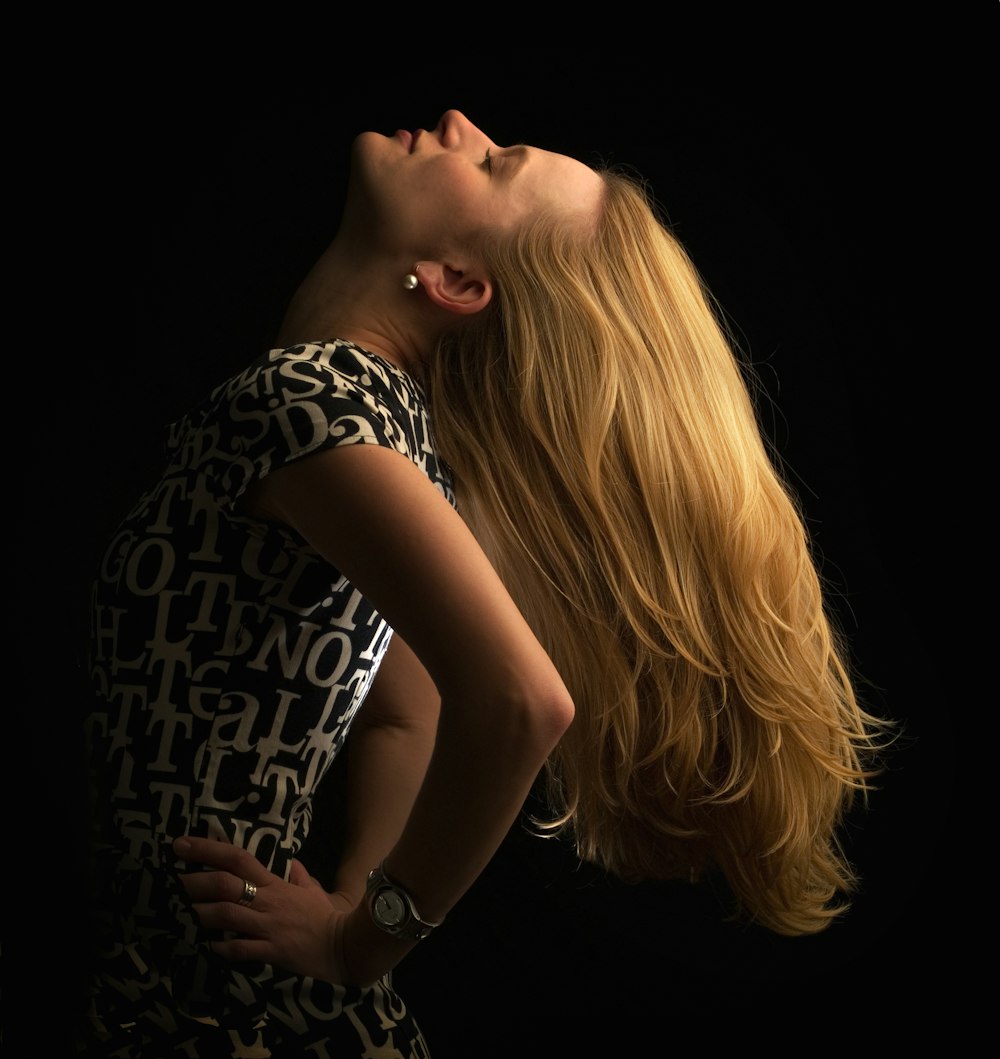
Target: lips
(408,139)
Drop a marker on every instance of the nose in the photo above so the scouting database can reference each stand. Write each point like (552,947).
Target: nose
(455,129)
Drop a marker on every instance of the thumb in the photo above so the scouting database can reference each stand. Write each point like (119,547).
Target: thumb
(298,875)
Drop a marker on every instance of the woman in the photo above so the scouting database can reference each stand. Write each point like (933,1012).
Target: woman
(624,596)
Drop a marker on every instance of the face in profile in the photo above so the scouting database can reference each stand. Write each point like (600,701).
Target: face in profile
(428,192)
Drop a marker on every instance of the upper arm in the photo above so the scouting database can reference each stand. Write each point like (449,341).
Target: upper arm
(378,519)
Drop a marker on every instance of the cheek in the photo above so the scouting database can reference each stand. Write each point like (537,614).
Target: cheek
(457,196)
(425,211)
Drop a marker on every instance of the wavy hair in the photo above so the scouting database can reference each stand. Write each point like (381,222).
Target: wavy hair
(608,458)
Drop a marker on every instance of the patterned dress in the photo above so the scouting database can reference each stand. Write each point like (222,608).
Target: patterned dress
(229,659)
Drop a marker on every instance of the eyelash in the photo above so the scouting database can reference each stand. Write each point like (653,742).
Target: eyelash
(488,162)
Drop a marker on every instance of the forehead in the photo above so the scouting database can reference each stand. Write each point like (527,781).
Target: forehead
(546,179)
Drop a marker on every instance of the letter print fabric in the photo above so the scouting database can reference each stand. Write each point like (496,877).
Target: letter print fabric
(228,660)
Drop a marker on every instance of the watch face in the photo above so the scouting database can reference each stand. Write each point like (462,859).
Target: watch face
(389,909)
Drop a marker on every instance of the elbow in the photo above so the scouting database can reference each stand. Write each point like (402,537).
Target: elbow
(542,717)
(515,708)
(518,721)
(557,715)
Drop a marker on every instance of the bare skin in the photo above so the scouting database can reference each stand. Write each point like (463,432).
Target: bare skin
(467,705)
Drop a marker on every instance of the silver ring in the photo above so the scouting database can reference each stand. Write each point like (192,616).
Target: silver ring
(249,893)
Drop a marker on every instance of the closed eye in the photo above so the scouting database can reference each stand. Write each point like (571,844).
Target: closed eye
(488,162)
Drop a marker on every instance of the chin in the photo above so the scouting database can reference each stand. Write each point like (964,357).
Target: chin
(373,156)
(369,143)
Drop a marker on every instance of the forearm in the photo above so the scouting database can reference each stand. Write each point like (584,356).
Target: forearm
(387,750)
(484,761)
(385,769)
(479,776)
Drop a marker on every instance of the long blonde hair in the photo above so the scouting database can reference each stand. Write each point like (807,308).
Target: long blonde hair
(608,458)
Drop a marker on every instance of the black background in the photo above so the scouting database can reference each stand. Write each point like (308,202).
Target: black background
(191,199)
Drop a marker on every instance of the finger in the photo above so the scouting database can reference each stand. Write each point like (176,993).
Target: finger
(298,875)
(221,855)
(211,886)
(230,918)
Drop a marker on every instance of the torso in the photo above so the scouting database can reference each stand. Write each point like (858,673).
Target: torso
(229,658)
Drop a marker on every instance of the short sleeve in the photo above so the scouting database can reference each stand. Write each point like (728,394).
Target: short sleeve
(291,403)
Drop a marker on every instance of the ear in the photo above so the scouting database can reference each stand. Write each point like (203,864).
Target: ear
(454,290)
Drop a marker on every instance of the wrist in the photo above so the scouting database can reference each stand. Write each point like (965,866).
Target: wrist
(366,952)
(342,902)
(351,883)
(393,910)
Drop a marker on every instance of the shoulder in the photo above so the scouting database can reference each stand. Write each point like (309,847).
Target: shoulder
(300,400)
(316,371)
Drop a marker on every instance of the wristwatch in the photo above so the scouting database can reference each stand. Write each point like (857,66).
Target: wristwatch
(392,909)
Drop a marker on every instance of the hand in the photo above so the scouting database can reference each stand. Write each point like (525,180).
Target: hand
(294,924)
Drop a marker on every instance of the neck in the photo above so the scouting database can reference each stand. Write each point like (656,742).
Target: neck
(346,295)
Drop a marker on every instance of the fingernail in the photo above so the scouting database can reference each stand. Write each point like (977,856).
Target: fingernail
(182,846)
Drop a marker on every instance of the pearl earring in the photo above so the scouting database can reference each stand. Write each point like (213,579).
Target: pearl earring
(409,281)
